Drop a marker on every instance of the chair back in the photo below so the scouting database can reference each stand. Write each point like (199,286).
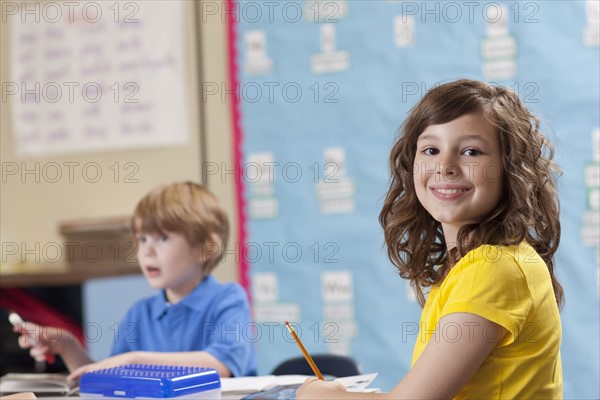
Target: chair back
(329,364)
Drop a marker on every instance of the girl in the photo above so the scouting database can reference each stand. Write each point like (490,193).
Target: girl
(181,231)
(472,214)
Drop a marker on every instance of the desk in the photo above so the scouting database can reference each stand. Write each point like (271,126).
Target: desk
(65,275)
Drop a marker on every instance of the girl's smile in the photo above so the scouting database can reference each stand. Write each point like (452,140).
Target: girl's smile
(449,192)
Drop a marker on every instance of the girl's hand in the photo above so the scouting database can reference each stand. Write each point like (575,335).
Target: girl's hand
(110,362)
(314,388)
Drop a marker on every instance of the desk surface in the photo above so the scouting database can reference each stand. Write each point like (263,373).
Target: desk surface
(65,275)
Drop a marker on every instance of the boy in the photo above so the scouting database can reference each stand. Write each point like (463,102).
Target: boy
(181,231)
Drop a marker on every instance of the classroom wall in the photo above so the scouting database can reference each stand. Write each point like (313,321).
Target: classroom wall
(32,205)
(344,78)
(218,128)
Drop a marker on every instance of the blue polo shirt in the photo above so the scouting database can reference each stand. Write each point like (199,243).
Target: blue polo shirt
(214,317)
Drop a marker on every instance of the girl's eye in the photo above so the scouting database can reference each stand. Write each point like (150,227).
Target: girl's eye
(164,238)
(471,152)
(430,151)
(141,239)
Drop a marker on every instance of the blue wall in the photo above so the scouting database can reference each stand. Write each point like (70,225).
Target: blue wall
(332,87)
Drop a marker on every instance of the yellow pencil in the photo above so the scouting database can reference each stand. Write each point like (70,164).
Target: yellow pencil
(306,355)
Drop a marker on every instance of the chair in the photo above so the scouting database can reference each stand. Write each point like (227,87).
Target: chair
(328,364)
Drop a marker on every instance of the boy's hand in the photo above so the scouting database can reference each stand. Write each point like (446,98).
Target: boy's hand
(110,362)
(42,340)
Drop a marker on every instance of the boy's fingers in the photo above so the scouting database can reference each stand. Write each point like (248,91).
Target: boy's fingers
(24,342)
(38,350)
(19,328)
(27,329)
(74,375)
(36,354)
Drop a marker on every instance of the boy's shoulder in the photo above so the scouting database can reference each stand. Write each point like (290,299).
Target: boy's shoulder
(209,292)
(221,290)
(212,283)
(147,307)
(159,296)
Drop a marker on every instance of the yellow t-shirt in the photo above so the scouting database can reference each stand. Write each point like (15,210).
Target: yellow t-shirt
(511,286)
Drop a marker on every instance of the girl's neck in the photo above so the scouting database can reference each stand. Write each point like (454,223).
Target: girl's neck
(450,235)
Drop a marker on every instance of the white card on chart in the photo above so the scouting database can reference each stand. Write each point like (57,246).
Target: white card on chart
(265,287)
(337,286)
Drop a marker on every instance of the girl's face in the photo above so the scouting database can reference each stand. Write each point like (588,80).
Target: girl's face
(169,262)
(458,172)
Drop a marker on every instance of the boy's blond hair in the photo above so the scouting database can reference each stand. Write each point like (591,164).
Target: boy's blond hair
(189,209)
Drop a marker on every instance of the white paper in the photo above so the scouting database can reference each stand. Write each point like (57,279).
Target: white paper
(257,62)
(404,30)
(591,35)
(327,38)
(592,12)
(248,384)
(337,61)
(590,236)
(113,83)
(499,47)
(263,207)
(496,18)
(337,187)
(592,175)
(335,311)
(501,69)
(591,218)
(357,383)
(594,199)
(596,144)
(337,157)
(277,312)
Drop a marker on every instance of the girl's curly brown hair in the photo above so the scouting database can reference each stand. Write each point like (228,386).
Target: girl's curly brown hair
(528,210)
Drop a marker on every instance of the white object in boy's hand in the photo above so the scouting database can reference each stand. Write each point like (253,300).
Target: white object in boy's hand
(16,320)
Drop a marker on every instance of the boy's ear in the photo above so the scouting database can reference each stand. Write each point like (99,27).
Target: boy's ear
(209,249)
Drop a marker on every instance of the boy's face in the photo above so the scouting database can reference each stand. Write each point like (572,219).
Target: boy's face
(169,262)
(458,171)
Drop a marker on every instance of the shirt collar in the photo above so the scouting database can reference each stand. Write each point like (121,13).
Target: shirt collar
(196,299)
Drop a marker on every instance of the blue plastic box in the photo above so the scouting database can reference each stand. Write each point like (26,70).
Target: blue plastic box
(151,382)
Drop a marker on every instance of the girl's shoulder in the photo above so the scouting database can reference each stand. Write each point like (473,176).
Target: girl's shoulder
(498,264)
(519,254)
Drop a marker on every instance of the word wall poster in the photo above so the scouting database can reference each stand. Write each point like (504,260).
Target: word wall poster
(322,88)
